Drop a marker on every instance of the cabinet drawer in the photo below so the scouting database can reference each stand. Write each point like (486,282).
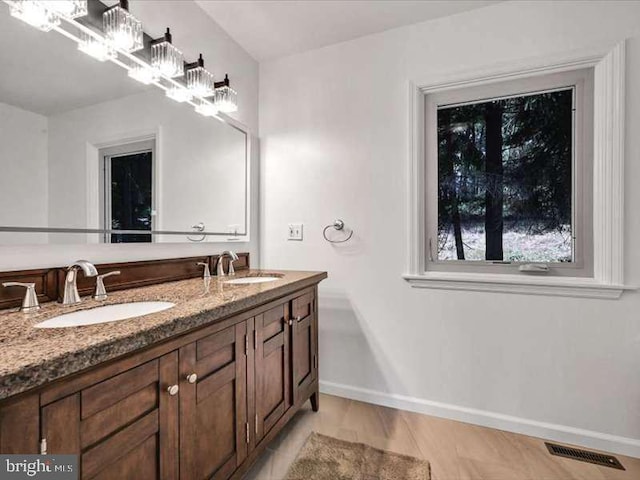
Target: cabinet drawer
(118,388)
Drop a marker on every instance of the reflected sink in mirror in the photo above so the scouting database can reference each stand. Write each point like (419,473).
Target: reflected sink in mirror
(108,313)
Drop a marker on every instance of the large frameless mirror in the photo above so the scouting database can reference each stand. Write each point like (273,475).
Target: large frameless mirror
(89,155)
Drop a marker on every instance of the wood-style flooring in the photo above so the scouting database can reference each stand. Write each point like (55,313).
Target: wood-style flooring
(456,451)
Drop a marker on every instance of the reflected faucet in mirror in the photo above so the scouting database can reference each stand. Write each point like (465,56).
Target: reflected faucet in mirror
(71,295)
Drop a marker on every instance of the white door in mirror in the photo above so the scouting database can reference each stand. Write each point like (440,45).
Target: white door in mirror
(108,313)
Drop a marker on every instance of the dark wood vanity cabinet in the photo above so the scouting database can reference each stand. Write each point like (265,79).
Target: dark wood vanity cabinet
(213,404)
(304,327)
(122,427)
(272,368)
(200,406)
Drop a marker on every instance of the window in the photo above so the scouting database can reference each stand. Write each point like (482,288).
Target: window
(591,263)
(128,192)
(509,176)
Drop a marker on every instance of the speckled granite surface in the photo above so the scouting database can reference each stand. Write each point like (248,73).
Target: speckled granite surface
(31,357)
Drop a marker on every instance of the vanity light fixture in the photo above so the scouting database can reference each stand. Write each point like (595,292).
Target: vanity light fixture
(206,109)
(166,58)
(96,48)
(68,8)
(35,13)
(179,94)
(199,80)
(226,98)
(123,30)
(144,74)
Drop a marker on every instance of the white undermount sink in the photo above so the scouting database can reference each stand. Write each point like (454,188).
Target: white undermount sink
(248,280)
(108,313)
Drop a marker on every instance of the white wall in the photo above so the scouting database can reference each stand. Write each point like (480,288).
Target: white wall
(195,32)
(200,164)
(23,163)
(334,136)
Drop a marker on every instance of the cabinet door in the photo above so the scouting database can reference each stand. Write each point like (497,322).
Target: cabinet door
(272,368)
(304,338)
(20,426)
(213,409)
(125,427)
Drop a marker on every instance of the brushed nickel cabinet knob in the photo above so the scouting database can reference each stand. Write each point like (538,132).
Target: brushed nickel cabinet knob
(193,378)
(173,390)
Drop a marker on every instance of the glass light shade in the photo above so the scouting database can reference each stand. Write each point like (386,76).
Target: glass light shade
(122,29)
(226,99)
(167,59)
(200,82)
(68,8)
(34,13)
(179,94)
(95,48)
(207,109)
(144,75)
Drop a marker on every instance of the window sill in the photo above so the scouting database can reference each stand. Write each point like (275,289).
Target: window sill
(529,285)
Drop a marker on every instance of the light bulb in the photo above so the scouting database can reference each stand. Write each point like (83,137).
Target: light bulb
(95,48)
(143,75)
(166,58)
(123,30)
(35,14)
(199,80)
(226,99)
(179,94)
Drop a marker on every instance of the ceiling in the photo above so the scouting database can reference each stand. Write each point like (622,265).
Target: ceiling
(269,29)
(46,74)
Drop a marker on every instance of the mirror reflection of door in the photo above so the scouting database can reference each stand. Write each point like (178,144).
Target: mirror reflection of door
(128,192)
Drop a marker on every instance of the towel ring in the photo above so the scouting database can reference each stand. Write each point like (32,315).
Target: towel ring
(338,225)
(197,228)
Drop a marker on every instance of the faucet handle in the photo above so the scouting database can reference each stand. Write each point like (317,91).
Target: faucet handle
(101,291)
(30,301)
(207,271)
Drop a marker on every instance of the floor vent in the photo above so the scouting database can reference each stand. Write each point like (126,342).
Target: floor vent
(584,455)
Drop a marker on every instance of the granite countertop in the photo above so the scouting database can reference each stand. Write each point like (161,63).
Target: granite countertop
(31,357)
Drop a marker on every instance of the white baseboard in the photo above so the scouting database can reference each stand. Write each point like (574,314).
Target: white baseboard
(533,428)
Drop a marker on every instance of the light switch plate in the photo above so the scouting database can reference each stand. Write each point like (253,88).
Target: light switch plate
(295,231)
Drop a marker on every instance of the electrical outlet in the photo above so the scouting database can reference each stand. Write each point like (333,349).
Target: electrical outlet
(295,231)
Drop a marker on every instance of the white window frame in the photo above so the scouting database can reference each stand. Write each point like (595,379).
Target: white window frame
(607,277)
(129,148)
(581,82)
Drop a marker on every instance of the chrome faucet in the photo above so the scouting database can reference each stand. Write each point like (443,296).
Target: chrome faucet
(207,272)
(71,295)
(232,258)
(101,292)
(30,301)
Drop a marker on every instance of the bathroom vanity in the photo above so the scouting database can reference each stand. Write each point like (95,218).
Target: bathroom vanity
(196,391)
